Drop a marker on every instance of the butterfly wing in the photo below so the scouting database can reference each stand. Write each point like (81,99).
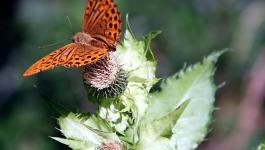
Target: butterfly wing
(71,55)
(102,21)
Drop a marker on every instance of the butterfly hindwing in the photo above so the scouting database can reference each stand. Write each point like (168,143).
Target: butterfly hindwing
(102,20)
(71,55)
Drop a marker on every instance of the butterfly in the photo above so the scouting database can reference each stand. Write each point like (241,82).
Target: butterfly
(100,34)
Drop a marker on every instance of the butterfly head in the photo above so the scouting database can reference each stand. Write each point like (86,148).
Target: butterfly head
(82,37)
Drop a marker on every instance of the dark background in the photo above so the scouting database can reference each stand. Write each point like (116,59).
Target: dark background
(191,30)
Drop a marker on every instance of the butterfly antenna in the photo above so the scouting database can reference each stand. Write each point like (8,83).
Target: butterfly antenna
(53,44)
(70,23)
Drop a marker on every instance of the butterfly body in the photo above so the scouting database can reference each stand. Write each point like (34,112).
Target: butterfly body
(100,34)
(86,39)
(82,38)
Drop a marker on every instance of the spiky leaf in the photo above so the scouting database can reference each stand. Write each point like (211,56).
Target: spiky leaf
(155,134)
(83,132)
(195,84)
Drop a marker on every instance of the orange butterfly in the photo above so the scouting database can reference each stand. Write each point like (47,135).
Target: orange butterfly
(101,33)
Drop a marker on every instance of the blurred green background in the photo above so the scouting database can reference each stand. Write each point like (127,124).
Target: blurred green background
(191,30)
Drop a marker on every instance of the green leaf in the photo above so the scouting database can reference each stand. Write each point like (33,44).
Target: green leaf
(147,40)
(152,132)
(75,145)
(131,54)
(162,126)
(128,27)
(141,74)
(199,87)
(195,84)
(85,131)
(95,122)
(159,143)
(73,127)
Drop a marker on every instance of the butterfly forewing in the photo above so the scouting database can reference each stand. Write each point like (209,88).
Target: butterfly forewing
(71,55)
(84,55)
(102,21)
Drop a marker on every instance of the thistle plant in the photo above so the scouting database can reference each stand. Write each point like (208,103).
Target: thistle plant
(139,111)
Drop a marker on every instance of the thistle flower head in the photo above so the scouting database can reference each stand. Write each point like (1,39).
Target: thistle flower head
(105,77)
(111,146)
